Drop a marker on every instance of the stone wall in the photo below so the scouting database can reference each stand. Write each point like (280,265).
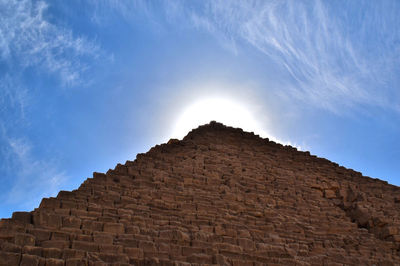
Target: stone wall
(220,196)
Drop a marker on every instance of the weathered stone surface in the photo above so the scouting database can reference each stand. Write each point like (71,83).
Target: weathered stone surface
(24,217)
(8,258)
(116,228)
(29,260)
(220,196)
(24,239)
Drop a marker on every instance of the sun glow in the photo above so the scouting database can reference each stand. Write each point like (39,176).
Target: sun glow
(222,110)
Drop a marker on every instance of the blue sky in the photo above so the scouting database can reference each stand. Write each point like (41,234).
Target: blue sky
(85,85)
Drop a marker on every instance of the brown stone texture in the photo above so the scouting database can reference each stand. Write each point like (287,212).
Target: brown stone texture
(220,196)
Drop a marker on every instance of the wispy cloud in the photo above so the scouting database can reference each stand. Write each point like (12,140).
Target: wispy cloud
(329,56)
(14,99)
(28,38)
(326,64)
(32,179)
(33,41)
(102,11)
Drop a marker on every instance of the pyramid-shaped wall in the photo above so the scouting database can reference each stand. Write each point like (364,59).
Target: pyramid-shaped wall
(220,196)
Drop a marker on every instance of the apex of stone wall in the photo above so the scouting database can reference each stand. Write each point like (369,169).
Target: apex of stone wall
(220,196)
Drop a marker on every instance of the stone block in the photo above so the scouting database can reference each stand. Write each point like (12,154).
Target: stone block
(23,217)
(188,251)
(200,259)
(50,203)
(24,239)
(135,253)
(219,230)
(37,251)
(46,219)
(389,230)
(228,247)
(62,194)
(29,260)
(329,194)
(92,225)
(114,249)
(102,238)
(220,260)
(76,262)
(73,253)
(60,244)
(71,221)
(40,234)
(8,258)
(114,228)
(54,262)
(246,244)
(114,258)
(132,229)
(147,246)
(80,237)
(86,246)
(60,235)
(68,205)
(52,253)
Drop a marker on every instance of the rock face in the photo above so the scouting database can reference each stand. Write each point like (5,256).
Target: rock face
(220,196)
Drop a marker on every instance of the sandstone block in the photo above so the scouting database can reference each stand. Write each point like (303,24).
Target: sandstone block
(86,246)
(62,194)
(132,229)
(47,219)
(220,260)
(40,234)
(102,238)
(8,258)
(60,235)
(246,244)
(361,215)
(62,212)
(24,239)
(52,253)
(200,259)
(54,262)
(147,246)
(24,217)
(114,249)
(114,228)
(32,250)
(228,247)
(60,244)
(114,258)
(92,225)
(79,237)
(67,205)
(135,253)
(389,230)
(73,253)
(244,233)
(71,221)
(187,251)
(50,203)
(29,260)
(329,194)
(76,262)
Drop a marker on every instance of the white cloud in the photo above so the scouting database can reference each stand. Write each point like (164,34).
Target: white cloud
(27,38)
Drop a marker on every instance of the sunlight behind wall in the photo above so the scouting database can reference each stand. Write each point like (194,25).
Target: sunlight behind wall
(223,110)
